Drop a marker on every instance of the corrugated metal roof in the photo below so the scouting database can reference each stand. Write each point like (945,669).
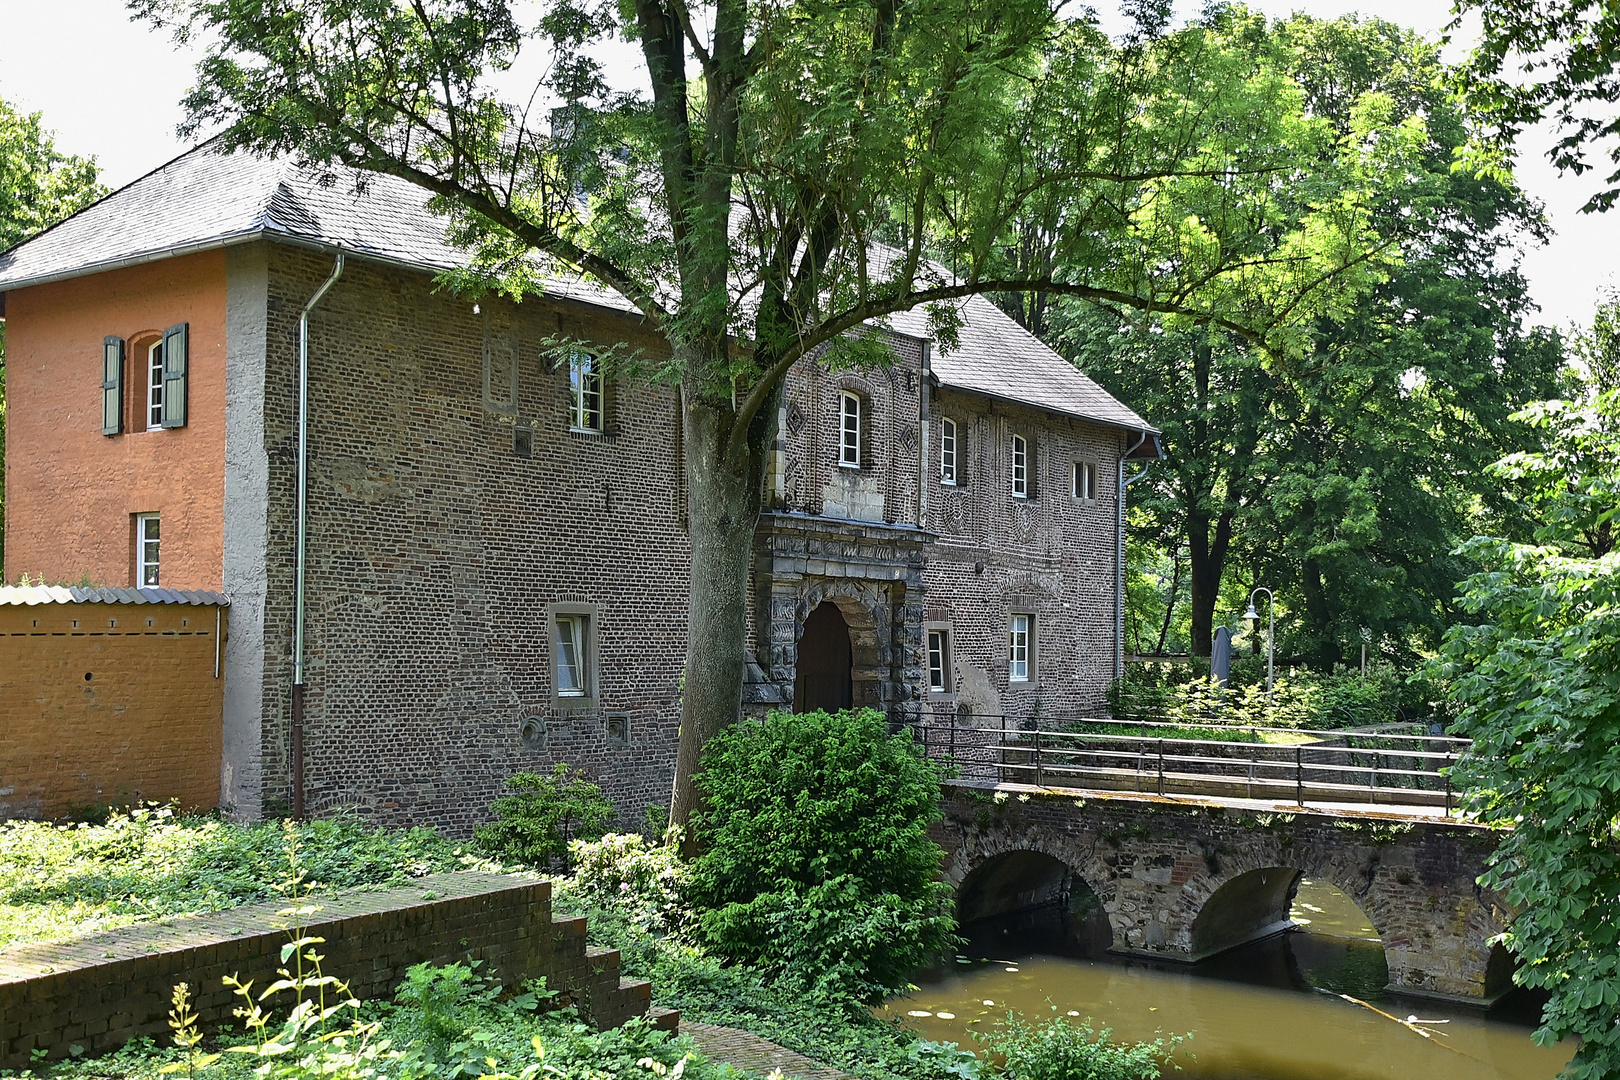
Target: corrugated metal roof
(30,595)
(204,199)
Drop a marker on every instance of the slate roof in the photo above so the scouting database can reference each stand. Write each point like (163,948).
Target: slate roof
(30,595)
(204,199)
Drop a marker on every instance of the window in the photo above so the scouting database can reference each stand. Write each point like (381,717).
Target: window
(947,450)
(571,656)
(574,653)
(146,550)
(849,430)
(1020,643)
(1085,480)
(154,386)
(585,389)
(939,662)
(1020,467)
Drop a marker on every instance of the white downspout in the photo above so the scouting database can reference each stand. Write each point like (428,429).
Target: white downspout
(302,533)
(1119,553)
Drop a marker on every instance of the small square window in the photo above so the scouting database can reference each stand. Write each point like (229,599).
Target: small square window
(585,393)
(618,729)
(947,451)
(849,430)
(1020,648)
(939,662)
(147,540)
(1020,467)
(1085,480)
(523,442)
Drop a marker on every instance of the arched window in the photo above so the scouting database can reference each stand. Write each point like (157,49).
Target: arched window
(849,430)
(947,450)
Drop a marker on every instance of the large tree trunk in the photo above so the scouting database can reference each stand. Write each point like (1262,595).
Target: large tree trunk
(1207,545)
(722,501)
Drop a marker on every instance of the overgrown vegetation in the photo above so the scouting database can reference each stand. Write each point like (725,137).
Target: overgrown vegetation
(534,823)
(824,815)
(1186,694)
(60,880)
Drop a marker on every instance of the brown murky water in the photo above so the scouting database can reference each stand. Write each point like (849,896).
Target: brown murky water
(1268,1011)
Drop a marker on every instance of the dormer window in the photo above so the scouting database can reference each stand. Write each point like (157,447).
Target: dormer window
(585,388)
(947,451)
(849,430)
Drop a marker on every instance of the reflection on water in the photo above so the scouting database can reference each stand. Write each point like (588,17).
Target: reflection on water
(1267,1011)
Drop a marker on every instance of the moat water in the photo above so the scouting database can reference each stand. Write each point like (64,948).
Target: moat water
(1267,1011)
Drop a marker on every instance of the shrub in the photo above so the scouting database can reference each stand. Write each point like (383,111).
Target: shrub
(815,857)
(623,877)
(1064,1050)
(534,823)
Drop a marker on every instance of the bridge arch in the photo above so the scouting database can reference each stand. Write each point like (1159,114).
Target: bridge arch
(1184,882)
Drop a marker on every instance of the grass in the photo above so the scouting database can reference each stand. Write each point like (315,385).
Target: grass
(59,881)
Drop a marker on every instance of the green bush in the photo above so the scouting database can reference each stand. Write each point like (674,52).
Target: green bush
(1299,699)
(623,877)
(1063,1050)
(534,823)
(815,857)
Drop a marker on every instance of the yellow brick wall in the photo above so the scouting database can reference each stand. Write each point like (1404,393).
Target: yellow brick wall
(108,704)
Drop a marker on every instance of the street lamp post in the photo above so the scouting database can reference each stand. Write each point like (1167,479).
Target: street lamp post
(1271,632)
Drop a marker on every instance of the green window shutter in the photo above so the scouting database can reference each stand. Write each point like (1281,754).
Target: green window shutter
(174,375)
(112,385)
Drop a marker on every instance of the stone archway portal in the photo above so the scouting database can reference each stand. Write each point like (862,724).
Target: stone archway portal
(824,672)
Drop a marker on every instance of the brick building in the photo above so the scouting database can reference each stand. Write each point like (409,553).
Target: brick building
(495,556)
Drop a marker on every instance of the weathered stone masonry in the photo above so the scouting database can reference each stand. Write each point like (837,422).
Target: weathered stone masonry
(1181,883)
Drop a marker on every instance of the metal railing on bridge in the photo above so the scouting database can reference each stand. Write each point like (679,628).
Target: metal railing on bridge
(1392,764)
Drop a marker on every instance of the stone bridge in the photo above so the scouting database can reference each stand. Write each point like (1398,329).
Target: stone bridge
(1182,881)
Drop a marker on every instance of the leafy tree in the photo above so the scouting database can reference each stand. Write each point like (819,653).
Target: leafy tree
(737,204)
(1546,59)
(1538,670)
(1343,474)
(38,187)
(816,859)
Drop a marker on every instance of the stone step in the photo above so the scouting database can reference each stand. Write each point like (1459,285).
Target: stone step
(665,1019)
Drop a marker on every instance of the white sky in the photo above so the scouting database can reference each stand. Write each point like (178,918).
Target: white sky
(111,88)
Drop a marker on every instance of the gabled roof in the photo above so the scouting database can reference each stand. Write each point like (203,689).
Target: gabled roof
(204,200)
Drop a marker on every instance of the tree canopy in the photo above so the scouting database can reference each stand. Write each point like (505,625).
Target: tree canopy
(1547,59)
(1344,474)
(792,171)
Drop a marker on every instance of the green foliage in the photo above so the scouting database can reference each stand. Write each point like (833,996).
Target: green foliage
(1300,699)
(534,823)
(60,880)
(623,877)
(816,860)
(1345,475)
(1538,674)
(1061,1049)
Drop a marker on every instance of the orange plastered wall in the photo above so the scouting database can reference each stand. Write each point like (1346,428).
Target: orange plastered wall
(108,704)
(70,490)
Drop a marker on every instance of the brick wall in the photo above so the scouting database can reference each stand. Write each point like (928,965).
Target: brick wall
(98,992)
(106,704)
(435,551)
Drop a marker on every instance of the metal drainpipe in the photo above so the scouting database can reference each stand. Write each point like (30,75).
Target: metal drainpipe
(302,529)
(1119,554)
(922,435)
